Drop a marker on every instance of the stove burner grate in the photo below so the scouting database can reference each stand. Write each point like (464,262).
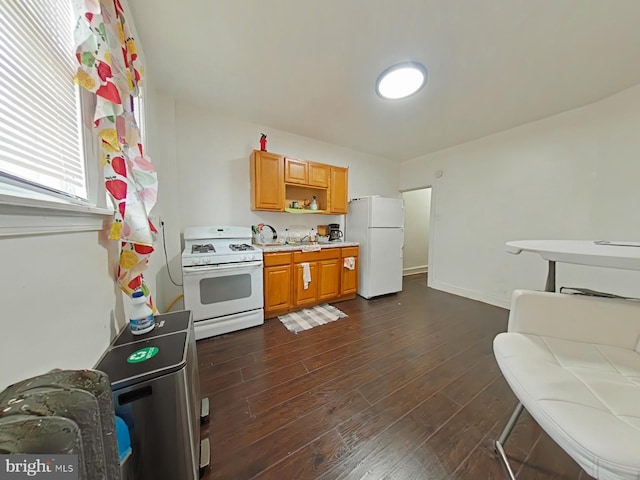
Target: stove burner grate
(202,248)
(240,247)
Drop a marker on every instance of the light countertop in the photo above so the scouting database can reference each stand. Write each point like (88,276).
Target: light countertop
(291,248)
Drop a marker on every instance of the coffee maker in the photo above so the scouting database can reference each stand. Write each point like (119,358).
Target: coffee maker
(334,232)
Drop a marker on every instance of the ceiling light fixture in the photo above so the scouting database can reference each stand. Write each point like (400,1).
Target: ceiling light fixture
(401,80)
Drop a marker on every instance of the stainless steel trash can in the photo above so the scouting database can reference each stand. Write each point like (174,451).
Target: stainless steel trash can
(154,378)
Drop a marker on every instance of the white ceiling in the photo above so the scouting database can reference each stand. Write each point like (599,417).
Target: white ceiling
(309,67)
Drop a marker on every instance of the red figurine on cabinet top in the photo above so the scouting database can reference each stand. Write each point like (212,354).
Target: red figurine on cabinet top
(263,142)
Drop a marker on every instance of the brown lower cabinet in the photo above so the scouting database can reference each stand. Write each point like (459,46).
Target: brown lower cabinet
(330,280)
(304,297)
(349,278)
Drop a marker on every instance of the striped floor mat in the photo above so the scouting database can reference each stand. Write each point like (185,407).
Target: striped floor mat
(311,317)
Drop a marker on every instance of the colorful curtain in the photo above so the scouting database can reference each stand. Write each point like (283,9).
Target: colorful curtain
(110,68)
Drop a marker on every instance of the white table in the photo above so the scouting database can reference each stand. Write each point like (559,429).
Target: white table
(622,255)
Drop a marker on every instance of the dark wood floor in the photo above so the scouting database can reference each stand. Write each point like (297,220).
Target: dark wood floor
(406,387)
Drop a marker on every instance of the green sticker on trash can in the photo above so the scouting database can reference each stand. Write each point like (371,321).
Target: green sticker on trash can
(143,354)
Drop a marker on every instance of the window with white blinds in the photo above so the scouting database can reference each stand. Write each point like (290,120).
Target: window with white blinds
(40,115)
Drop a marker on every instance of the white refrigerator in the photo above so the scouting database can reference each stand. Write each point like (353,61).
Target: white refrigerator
(377,224)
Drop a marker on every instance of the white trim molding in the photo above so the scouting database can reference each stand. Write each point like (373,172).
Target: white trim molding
(415,270)
(27,216)
(502,302)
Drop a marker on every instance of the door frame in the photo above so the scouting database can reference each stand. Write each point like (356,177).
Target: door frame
(432,227)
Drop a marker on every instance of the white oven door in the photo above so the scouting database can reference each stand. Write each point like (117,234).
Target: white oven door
(215,290)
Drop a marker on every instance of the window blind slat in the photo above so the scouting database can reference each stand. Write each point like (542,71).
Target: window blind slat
(32,117)
(13,166)
(28,106)
(38,134)
(40,130)
(30,136)
(12,163)
(39,49)
(28,63)
(51,30)
(10,77)
(46,152)
(32,61)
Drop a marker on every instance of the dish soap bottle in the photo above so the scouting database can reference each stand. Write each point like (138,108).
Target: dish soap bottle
(314,204)
(141,316)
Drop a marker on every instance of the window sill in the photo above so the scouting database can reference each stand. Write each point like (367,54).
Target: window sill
(22,216)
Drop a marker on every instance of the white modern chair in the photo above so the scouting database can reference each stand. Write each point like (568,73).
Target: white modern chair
(573,362)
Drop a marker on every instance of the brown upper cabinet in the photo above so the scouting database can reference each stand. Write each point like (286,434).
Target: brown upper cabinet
(319,174)
(278,183)
(338,200)
(296,171)
(301,172)
(267,188)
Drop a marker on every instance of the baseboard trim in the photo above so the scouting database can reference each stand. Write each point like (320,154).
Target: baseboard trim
(415,270)
(472,294)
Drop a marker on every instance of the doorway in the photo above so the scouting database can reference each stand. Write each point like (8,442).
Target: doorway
(417,220)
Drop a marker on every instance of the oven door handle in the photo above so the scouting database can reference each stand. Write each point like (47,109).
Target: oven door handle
(217,268)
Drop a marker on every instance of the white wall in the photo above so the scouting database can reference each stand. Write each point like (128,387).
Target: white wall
(162,150)
(213,162)
(570,176)
(59,303)
(417,209)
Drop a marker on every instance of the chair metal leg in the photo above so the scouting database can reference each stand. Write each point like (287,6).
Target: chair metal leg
(551,277)
(503,438)
(505,460)
(511,423)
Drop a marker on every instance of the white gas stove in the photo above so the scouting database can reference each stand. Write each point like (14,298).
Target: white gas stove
(222,275)
(216,245)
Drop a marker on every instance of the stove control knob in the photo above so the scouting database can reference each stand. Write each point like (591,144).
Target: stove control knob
(243,258)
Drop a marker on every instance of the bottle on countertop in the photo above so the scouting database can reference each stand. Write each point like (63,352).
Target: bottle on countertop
(141,316)
(312,236)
